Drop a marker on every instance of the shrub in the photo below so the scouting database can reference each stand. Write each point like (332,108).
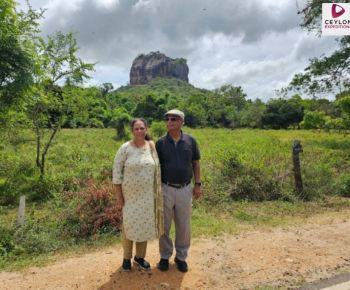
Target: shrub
(95,123)
(18,174)
(344,186)
(248,183)
(7,243)
(36,236)
(158,129)
(92,211)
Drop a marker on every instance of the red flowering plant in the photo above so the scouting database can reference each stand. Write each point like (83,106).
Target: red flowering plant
(92,211)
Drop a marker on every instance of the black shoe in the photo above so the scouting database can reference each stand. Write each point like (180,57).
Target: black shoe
(142,263)
(126,265)
(181,265)
(163,265)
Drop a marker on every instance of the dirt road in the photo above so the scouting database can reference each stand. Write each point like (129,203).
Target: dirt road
(283,258)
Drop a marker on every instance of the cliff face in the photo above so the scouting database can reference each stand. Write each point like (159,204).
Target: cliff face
(155,64)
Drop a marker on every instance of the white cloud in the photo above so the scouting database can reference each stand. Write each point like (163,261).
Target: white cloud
(107,4)
(257,44)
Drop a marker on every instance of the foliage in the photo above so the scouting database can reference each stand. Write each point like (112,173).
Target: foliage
(56,61)
(120,119)
(237,165)
(150,107)
(251,115)
(235,95)
(158,129)
(248,183)
(327,72)
(312,12)
(7,244)
(313,120)
(94,212)
(16,50)
(344,186)
(34,68)
(344,104)
(39,235)
(281,113)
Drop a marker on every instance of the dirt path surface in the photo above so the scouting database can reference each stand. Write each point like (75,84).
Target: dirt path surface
(283,258)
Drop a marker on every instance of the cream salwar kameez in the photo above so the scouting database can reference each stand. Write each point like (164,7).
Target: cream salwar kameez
(135,169)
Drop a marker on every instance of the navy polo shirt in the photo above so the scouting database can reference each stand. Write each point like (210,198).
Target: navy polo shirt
(176,159)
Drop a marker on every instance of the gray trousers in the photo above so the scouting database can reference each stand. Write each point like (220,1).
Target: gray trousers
(177,205)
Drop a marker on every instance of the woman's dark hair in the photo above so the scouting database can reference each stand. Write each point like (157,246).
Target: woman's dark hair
(132,123)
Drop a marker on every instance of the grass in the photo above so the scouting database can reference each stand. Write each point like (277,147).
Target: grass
(84,153)
(237,218)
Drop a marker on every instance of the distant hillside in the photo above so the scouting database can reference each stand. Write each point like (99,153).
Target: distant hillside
(161,87)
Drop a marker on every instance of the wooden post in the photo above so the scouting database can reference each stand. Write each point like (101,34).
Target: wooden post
(297,148)
(21,211)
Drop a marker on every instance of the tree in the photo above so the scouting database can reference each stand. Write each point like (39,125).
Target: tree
(251,116)
(334,124)
(150,107)
(313,120)
(16,50)
(327,72)
(55,62)
(280,113)
(120,118)
(195,115)
(106,88)
(344,104)
(234,95)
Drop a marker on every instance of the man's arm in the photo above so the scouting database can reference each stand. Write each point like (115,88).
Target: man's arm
(197,191)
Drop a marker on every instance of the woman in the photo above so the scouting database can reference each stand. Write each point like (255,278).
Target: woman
(136,175)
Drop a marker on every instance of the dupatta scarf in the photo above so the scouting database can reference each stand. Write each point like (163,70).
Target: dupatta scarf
(158,195)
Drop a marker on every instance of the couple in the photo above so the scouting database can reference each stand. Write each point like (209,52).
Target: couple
(153,185)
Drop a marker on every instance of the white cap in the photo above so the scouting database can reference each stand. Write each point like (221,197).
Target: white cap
(176,112)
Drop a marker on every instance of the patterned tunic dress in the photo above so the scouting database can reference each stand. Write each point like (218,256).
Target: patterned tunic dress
(134,169)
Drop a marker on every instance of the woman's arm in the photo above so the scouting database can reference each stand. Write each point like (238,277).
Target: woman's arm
(118,175)
(119,194)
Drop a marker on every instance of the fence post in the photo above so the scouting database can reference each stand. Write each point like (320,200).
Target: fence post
(297,148)
(21,211)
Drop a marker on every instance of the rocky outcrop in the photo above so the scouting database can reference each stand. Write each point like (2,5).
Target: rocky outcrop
(155,64)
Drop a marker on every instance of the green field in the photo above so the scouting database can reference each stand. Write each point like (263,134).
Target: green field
(247,180)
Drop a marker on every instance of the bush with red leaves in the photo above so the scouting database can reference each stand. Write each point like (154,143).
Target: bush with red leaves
(92,211)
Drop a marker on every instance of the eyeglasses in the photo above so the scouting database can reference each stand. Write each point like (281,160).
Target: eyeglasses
(172,119)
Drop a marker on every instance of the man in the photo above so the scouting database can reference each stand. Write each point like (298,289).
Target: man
(179,159)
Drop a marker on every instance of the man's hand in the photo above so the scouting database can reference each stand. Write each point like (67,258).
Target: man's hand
(197,192)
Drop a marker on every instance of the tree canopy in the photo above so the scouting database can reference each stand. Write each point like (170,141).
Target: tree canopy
(325,73)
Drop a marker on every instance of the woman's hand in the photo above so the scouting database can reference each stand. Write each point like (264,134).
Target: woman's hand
(120,197)
(120,201)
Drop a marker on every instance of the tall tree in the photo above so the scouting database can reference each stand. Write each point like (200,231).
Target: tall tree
(17,30)
(252,114)
(280,113)
(327,73)
(56,62)
(235,95)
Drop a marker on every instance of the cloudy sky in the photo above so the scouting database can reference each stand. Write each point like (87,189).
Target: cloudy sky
(256,44)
